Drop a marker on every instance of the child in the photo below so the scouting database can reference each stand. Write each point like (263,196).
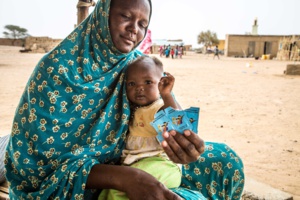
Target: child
(148,91)
(216,52)
(172,53)
(176,51)
(180,52)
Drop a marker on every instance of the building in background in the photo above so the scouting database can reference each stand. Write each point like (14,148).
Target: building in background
(289,48)
(260,45)
(283,47)
(255,27)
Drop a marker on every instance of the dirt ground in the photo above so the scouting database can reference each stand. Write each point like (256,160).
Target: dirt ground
(248,104)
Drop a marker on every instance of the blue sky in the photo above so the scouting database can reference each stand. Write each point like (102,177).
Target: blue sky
(172,19)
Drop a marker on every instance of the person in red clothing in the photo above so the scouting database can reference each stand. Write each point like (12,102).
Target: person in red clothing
(172,53)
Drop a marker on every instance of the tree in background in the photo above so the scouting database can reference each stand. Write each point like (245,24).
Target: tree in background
(15,32)
(208,38)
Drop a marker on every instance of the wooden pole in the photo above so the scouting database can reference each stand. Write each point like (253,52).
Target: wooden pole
(83,9)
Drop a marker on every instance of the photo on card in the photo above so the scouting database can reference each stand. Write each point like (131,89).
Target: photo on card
(179,119)
(161,124)
(192,114)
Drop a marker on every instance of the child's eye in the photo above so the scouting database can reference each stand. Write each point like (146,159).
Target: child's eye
(130,84)
(148,82)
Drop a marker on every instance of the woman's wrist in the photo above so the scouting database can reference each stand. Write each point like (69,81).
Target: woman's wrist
(104,176)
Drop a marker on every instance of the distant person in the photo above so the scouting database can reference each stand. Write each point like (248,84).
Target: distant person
(216,53)
(164,50)
(180,52)
(167,51)
(161,51)
(172,53)
(176,51)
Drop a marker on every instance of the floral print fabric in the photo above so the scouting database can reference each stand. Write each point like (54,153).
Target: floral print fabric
(218,173)
(74,114)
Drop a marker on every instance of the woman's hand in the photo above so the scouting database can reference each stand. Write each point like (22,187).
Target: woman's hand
(183,148)
(145,186)
(136,183)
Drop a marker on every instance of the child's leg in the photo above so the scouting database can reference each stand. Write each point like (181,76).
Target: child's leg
(112,195)
(163,170)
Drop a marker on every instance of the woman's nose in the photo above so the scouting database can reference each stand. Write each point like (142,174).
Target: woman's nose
(133,28)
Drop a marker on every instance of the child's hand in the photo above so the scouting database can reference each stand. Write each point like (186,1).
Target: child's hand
(165,87)
(166,84)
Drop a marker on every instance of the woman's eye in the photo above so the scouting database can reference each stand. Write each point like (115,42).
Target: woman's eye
(143,24)
(125,16)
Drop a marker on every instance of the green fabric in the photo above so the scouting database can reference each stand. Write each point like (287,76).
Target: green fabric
(218,174)
(163,170)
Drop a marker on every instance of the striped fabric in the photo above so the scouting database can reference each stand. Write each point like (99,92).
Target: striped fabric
(3,143)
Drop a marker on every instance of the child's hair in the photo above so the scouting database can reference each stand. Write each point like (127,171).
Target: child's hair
(156,61)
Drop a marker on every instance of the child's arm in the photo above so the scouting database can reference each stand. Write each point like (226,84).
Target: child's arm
(165,87)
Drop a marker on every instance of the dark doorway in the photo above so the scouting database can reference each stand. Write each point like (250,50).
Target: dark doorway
(251,49)
(268,48)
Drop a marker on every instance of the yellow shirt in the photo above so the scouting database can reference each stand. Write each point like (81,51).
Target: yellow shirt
(141,140)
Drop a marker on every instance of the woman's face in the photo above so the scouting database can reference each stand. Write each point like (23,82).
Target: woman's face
(128,21)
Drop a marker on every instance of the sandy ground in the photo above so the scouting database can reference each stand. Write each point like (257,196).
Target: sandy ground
(255,110)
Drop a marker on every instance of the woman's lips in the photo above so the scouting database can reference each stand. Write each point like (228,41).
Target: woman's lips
(128,40)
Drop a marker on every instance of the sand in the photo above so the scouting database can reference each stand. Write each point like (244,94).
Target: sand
(248,104)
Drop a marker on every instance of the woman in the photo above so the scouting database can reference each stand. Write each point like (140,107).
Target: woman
(71,122)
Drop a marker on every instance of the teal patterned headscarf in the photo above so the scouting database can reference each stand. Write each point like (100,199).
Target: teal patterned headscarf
(72,115)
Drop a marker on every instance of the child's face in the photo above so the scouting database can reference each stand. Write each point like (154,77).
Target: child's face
(142,83)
